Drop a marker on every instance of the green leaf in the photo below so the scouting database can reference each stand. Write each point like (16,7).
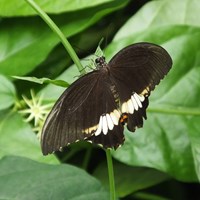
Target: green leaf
(17,138)
(193,130)
(159,13)
(32,40)
(7,93)
(32,180)
(158,35)
(130,179)
(43,80)
(22,8)
(167,134)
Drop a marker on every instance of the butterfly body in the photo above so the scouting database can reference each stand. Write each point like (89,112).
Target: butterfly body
(96,107)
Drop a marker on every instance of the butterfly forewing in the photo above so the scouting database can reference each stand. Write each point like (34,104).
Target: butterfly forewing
(138,68)
(63,124)
(77,112)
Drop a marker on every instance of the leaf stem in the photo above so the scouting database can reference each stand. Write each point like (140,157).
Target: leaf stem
(68,156)
(87,158)
(111,175)
(175,110)
(56,30)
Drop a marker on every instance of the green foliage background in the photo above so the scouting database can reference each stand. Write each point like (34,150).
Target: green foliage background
(167,148)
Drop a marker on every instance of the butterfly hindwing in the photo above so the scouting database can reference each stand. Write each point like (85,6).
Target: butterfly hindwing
(135,120)
(113,139)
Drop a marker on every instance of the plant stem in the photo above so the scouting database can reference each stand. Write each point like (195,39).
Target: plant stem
(175,110)
(56,30)
(87,158)
(111,175)
(67,156)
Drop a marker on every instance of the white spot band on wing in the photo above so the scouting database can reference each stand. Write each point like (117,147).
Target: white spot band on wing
(107,122)
(134,103)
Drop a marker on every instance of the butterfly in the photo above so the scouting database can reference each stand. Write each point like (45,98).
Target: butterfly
(98,105)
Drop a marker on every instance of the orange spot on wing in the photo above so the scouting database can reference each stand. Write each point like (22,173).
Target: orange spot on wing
(123,118)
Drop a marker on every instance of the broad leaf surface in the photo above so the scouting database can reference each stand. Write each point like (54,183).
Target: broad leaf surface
(17,138)
(26,42)
(162,13)
(32,180)
(7,93)
(22,8)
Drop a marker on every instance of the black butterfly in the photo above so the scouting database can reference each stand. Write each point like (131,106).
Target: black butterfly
(97,106)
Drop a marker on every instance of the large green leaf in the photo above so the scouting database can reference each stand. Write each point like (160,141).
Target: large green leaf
(7,93)
(23,179)
(22,8)
(17,138)
(130,179)
(162,13)
(165,142)
(26,42)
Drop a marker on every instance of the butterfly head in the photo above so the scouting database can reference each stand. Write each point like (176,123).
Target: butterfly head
(100,62)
